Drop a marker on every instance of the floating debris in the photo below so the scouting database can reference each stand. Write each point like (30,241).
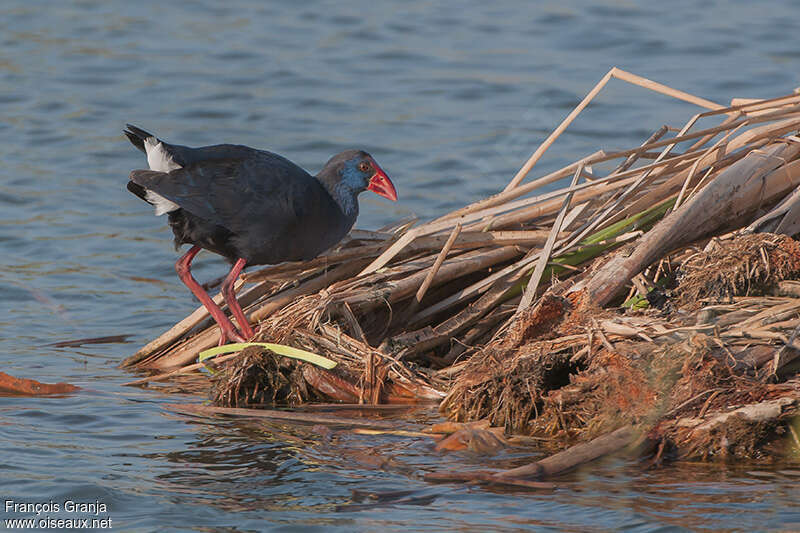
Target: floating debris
(11,386)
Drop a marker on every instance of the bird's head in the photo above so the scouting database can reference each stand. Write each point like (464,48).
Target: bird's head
(356,171)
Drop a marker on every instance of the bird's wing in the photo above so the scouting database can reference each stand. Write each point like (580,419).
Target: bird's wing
(262,189)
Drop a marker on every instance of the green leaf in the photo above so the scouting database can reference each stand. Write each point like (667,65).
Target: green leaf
(280,349)
(597,243)
(636,301)
(640,221)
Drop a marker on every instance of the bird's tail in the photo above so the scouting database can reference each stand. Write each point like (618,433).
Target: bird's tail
(139,191)
(137,136)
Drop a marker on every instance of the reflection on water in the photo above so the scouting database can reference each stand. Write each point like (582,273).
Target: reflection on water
(309,477)
(450,100)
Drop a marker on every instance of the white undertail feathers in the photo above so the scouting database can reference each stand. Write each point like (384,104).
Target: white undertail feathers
(160,160)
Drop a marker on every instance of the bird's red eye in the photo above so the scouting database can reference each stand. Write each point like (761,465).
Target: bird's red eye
(363,166)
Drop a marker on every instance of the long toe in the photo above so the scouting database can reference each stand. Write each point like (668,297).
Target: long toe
(229,336)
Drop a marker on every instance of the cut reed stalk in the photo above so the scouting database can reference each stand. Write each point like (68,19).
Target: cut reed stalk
(426,283)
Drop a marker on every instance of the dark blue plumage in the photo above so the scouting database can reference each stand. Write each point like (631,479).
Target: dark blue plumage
(252,206)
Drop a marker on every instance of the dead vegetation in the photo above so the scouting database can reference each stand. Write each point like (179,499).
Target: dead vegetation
(646,295)
(749,265)
(259,376)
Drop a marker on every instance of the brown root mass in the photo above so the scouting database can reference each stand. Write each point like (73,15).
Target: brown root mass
(563,372)
(259,377)
(746,266)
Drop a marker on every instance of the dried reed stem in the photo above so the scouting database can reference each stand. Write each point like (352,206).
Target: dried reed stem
(434,269)
(544,256)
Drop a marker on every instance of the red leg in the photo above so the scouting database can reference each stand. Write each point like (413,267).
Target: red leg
(227,330)
(230,298)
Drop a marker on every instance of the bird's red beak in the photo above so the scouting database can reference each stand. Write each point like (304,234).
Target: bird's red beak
(380,184)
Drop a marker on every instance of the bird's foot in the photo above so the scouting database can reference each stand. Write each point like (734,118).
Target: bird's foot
(226,337)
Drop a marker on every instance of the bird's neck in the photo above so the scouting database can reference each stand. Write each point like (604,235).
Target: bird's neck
(344,197)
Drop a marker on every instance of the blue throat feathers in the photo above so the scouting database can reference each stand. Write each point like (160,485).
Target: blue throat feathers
(346,191)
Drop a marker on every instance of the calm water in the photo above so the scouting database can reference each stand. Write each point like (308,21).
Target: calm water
(449,99)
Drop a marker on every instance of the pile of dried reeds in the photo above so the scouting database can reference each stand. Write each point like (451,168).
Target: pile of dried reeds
(501,308)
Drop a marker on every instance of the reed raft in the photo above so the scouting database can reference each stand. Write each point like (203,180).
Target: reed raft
(656,289)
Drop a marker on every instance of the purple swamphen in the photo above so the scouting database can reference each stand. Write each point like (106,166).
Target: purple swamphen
(250,206)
